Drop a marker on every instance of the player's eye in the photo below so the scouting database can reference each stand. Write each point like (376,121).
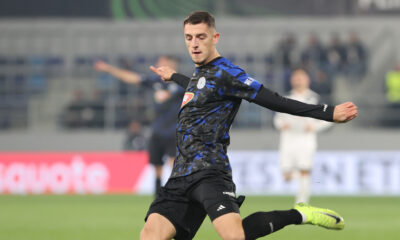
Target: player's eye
(188,37)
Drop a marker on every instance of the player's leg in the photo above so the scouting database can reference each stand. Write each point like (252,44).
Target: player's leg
(304,192)
(156,154)
(286,163)
(157,227)
(260,224)
(172,214)
(229,226)
(215,192)
(305,162)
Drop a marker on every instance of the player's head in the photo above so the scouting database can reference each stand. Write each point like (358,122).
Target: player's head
(168,61)
(300,80)
(201,37)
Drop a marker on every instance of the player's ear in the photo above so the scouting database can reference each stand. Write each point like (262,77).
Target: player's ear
(216,38)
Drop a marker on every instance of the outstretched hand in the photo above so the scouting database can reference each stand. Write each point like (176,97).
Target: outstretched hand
(164,72)
(101,66)
(345,112)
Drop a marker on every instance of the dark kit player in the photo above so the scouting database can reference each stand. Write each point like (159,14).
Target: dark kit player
(201,180)
(167,99)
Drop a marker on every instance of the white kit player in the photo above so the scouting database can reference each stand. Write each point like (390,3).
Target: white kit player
(298,140)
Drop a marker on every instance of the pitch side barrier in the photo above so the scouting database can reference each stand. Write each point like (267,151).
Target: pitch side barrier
(254,172)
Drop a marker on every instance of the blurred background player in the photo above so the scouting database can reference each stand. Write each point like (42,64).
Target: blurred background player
(298,140)
(167,99)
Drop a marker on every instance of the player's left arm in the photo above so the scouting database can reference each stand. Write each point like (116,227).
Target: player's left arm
(339,113)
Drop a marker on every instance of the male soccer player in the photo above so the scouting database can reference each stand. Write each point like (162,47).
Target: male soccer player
(167,99)
(298,140)
(201,180)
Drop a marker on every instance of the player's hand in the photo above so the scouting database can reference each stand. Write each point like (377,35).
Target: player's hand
(285,127)
(309,128)
(345,112)
(101,66)
(164,72)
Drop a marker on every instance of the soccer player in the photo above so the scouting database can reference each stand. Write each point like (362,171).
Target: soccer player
(201,180)
(167,101)
(298,140)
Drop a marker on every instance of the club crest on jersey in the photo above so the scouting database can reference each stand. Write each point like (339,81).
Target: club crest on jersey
(187,98)
(201,83)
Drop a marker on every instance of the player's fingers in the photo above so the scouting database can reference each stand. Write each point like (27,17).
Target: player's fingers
(154,69)
(349,105)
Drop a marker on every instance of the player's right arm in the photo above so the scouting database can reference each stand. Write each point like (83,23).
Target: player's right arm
(126,76)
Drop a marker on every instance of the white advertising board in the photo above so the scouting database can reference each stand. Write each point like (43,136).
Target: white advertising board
(334,173)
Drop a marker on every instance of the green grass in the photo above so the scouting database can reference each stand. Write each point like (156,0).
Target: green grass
(121,217)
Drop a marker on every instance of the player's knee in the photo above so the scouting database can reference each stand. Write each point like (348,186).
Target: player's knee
(148,234)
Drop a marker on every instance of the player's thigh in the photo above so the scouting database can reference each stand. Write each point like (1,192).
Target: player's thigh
(216,194)
(229,226)
(185,215)
(305,160)
(157,227)
(287,160)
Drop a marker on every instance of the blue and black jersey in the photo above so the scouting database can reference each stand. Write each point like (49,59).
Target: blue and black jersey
(210,104)
(212,99)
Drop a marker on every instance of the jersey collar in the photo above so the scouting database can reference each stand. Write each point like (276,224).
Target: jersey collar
(213,62)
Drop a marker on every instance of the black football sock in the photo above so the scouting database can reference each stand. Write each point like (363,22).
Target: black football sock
(260,224)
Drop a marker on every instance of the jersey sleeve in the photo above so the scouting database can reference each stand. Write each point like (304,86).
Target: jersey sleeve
(272,100)
(239,84)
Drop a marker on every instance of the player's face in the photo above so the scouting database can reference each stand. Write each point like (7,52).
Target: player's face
(201,42)
(300,80)
(166,62)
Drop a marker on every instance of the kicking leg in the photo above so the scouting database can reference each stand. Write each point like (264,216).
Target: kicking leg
(157,227)
(229,226)
(260,224)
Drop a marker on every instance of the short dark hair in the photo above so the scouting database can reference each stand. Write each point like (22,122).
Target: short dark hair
(197,17)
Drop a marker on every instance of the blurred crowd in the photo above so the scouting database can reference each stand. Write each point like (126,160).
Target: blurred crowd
(324,62)
(114,104)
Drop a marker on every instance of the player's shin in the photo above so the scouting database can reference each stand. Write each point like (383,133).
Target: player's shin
(260,224)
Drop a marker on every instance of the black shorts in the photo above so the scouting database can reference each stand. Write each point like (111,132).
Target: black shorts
(185,201)
(161,146)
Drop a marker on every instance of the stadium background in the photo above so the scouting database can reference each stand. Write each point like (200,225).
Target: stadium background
(47,50)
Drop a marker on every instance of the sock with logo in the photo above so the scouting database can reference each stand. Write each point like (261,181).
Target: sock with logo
(260,224)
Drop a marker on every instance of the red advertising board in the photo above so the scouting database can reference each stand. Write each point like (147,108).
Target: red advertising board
(71,172)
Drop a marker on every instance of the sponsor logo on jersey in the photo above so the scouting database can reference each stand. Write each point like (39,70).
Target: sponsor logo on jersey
(201,83)
(187,98)
(249,81)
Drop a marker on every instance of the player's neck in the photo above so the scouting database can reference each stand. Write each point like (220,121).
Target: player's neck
(300,91)
(209,59)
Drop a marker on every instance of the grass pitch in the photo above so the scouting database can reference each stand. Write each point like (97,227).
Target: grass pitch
(74,217)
